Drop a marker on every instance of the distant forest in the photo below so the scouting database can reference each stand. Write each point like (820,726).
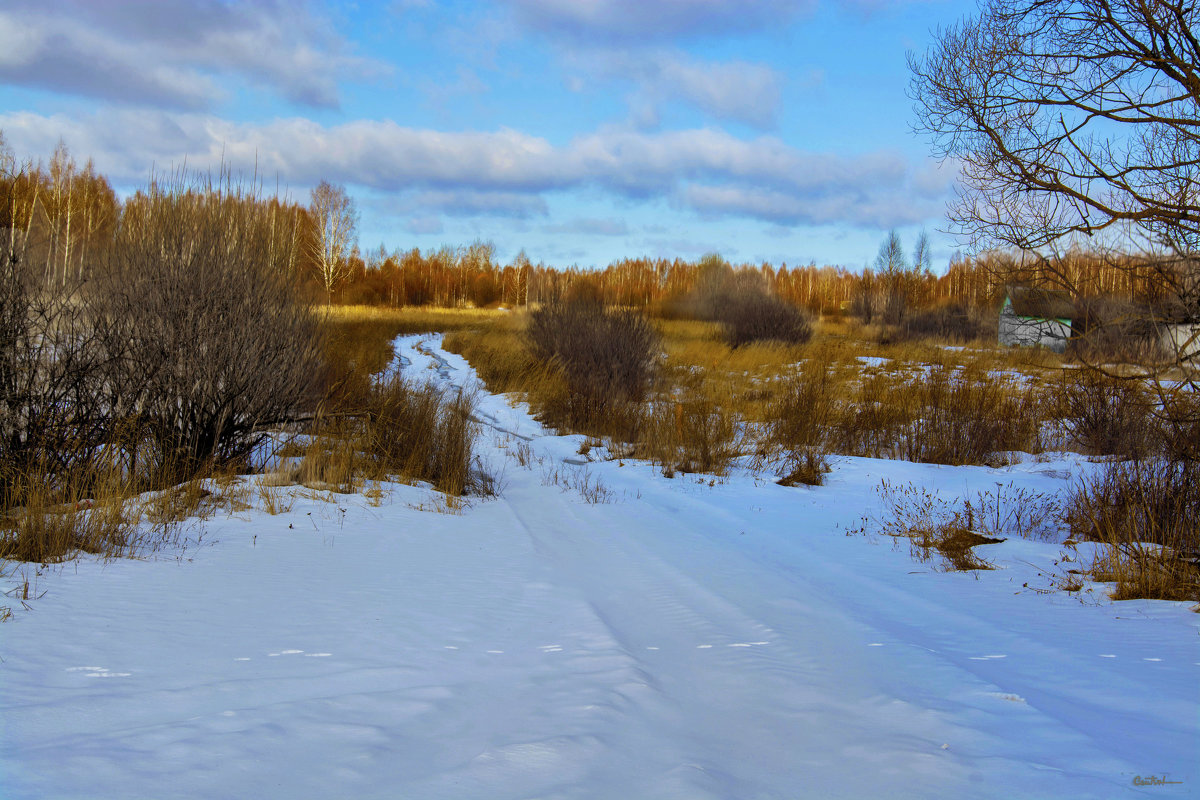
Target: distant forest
(66,213)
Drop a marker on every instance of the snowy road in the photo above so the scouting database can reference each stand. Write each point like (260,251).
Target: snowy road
(679,641)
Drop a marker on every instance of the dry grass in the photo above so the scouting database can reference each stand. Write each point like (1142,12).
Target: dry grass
(374,430)
(578,479)
(933,525)
(275,496)
(953,528)
(691,426)
(1103,415)
(925,403)
(406,431)
(1144,513)
(58,520)
(800,422)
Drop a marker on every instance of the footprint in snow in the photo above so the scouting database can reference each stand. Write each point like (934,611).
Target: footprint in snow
(99,672)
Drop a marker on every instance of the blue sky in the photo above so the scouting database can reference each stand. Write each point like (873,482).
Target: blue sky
(580,130)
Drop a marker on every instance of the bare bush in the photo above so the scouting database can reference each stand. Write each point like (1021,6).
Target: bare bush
(691,429)
(1106,330)
(1102,414)
(968,416)
(753,316)
(878,411)
(51,418)
(205,338)
(607,357)
(951,322)
(1178,422)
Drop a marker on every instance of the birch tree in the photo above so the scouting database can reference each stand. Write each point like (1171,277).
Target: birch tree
(336,220)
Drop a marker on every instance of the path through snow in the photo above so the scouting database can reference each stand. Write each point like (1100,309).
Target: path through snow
(680,641)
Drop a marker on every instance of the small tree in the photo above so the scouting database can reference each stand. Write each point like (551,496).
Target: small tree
(336,220)
(891,267)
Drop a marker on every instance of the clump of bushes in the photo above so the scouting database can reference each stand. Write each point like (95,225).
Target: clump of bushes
(967,416)
(951,322)
(1103,414)
(753,316)
(185,340)
(742,304)
(1108,330)
(607,359)
(692,428)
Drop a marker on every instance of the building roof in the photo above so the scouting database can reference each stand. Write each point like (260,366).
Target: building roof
(1028,301)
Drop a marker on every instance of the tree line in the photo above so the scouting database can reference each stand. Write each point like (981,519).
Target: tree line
(69,212)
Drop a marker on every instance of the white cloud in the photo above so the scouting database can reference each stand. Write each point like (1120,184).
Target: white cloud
(507,172)
(471,203)
(655,20)
(733,90)
(589,226)
(167,53)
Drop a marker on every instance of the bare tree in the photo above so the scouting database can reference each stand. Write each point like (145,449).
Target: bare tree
(1075,120)
(1072,118)
(336,221)
(922,259)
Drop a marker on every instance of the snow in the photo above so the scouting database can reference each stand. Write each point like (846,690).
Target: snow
(684,640)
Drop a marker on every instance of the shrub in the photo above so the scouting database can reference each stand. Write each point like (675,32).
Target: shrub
(205,338)
(691,430)
(953,322)
(607,358)
(881,409)
(1178,421)
(752,316)
(967,416)
(1113,331)
(799,422)
(1103,415)
(51,416)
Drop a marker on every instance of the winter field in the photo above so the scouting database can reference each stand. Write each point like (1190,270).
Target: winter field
(596,631)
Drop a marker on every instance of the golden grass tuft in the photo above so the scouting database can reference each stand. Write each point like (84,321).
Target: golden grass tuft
(59,520)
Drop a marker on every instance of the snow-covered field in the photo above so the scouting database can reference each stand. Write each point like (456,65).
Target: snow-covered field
(681,640)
